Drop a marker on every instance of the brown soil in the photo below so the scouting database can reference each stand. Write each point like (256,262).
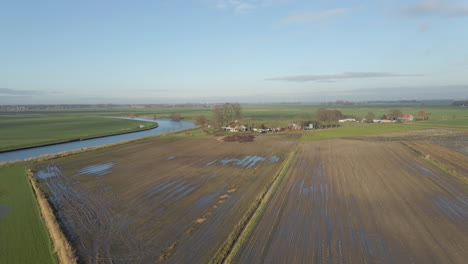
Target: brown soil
(200,220)
(362,202)
(136,209)
(239,138)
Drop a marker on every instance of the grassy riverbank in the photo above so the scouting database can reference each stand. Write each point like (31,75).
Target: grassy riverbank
(22,132)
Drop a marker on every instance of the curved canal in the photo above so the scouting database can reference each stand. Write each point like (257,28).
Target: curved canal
(165,126)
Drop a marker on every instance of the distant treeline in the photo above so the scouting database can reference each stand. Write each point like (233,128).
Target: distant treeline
(460,103)
(88,106)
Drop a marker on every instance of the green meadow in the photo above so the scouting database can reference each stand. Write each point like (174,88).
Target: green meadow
(27,131)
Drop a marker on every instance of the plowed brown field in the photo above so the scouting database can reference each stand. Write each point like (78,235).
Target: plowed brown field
(349,201)
(171,199)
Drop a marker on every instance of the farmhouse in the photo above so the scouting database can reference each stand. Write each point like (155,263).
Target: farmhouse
(347,120)
(233,127)
(295,126)
(405,118)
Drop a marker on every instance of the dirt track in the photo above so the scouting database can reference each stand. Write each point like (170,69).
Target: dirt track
(347,201)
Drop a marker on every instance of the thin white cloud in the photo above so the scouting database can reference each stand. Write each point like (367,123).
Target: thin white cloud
(314,17)
(338,76)
(238,6)
(245,6)
(438,8)
(8,91)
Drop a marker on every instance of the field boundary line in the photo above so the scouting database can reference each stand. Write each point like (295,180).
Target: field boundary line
(62,247)
(435,163)
(246,225)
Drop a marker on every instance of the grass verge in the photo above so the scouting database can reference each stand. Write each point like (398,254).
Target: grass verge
(243,229)
(62,247)
(355,130)
(23,234)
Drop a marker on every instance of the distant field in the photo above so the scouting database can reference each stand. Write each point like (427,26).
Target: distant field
(449,123)
(23,235)
(352,130)
(19,132)
(271,112)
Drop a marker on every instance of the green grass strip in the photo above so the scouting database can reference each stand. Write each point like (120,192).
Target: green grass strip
(23,234)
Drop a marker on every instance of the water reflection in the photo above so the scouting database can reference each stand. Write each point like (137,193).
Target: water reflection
(165,126)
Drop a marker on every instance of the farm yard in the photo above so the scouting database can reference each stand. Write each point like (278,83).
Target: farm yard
(170,199)
(349,201)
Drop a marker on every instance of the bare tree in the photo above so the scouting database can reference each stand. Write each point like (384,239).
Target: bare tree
(423,114)
(370,117)
(394,114)
(226,113)
(201,120)
(326,115)
(175,117)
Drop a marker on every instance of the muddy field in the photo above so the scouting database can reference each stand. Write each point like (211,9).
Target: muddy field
(353,201)
(168,200)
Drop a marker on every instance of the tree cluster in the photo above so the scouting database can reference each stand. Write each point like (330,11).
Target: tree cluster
(226,113)
(460,103)
(328,116)
(394,114)
(201,120)
(423,114)
(175,117)
(370,117)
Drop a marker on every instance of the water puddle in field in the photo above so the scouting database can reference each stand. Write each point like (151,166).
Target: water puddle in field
(207,198)
(171,157)
(4,208)
(246,161)
(162,187)
(185,193)
(273,159)
(97,169)
(48,171)
(209,163)
(451,208)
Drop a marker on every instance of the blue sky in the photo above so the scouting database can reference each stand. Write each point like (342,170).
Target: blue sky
(177,51)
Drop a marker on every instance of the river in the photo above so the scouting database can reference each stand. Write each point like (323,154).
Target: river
(165,126)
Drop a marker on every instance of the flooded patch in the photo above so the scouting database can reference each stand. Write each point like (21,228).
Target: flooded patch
(171,157)
(48,171)
(455,210)
(209,197)
(209,163)
(246,161)
(97,169)
(250,161)
(273,159)
(4,208)
(163,186)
